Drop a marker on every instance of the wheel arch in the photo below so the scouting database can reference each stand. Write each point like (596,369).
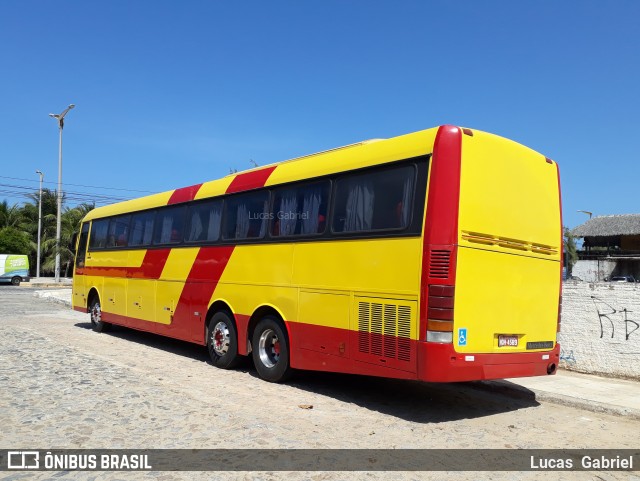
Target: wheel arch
(93,293)
(263,311)
(217,305)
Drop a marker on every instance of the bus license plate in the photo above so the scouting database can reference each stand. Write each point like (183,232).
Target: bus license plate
(511,341)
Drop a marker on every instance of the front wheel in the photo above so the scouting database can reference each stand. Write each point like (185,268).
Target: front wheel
(222,341)
(271,350)
(15,281)
(95,311)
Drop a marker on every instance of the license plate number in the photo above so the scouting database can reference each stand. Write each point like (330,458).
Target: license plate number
(511,341)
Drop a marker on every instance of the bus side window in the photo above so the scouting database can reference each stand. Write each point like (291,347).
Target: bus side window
(169,225)
(372,201)
(246,216)
(98,239)
(141,229)
(300,210)
(204,222)
(118,235)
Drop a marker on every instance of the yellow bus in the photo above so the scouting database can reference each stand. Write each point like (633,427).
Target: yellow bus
(433,256)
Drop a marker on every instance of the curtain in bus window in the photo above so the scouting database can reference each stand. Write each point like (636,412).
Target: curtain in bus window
(288,213)
(148,230)
(215,215)
(406,200)
(311,210)
(359,209)
(196,226)
(263,220)
(242,221)
(165,233)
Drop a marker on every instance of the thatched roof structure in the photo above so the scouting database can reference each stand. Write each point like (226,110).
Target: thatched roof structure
(609,226)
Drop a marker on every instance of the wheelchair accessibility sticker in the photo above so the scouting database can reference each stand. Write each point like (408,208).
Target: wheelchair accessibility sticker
(462,336)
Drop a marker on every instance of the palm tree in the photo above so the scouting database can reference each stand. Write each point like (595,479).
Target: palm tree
(10,216)
(70,222)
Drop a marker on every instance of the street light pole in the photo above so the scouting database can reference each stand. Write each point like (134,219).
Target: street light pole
(586,212)
(39,221)
(60,119)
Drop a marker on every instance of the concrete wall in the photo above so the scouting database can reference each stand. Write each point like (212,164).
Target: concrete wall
(593,270)
(601,328)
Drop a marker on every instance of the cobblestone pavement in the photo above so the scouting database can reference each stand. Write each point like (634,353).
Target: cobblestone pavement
(65,386)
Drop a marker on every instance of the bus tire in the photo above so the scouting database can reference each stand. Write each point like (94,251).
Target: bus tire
(222,341)
(270,349)
(15,281)
(95,313)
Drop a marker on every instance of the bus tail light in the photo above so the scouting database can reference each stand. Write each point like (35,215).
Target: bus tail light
(440,303)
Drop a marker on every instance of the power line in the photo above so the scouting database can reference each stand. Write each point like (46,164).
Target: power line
(79,185)
(30,190)
(67,199)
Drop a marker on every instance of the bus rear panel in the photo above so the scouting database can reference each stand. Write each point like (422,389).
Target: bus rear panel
(494,313)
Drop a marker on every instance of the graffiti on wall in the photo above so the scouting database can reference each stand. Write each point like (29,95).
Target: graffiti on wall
(567,356)
(607,314)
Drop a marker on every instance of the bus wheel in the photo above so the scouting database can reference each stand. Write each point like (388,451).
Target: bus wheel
(222,341)
(271,350)
(95,311)
(15,281)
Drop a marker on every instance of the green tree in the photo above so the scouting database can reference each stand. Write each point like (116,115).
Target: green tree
(570,250)
(70,222)
(10,216)
(14,241)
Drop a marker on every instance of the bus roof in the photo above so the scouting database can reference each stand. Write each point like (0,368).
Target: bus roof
(349,157)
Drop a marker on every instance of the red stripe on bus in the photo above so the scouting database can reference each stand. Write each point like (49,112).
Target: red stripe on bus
(441,220)
(151,267)
(184,194)
(201,283)
(250,180)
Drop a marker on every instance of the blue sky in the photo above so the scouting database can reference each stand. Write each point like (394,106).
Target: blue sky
(170,93)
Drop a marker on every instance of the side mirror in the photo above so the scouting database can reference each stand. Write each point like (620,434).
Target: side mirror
(74,239)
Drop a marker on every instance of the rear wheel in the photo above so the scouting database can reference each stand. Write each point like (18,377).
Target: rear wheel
(95,311)
(271,350)
(222,341)
(15,281)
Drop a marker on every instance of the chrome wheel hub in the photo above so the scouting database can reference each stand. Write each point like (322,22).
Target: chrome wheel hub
(220,338)
(269,348)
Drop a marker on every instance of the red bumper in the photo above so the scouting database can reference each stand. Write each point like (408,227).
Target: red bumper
(441,363)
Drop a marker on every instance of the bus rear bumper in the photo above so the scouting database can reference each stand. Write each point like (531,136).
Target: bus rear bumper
(441,363)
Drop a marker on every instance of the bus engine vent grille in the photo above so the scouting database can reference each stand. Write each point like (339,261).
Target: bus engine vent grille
(384,330)
(439,264)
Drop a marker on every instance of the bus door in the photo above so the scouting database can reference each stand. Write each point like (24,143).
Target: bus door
(79,288)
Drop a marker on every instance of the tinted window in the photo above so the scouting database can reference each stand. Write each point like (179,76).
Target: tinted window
(168,225)
(118,235)
(300,210)
(204,222)
(246,216)
(141,229)
(99,229)
(374,200)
